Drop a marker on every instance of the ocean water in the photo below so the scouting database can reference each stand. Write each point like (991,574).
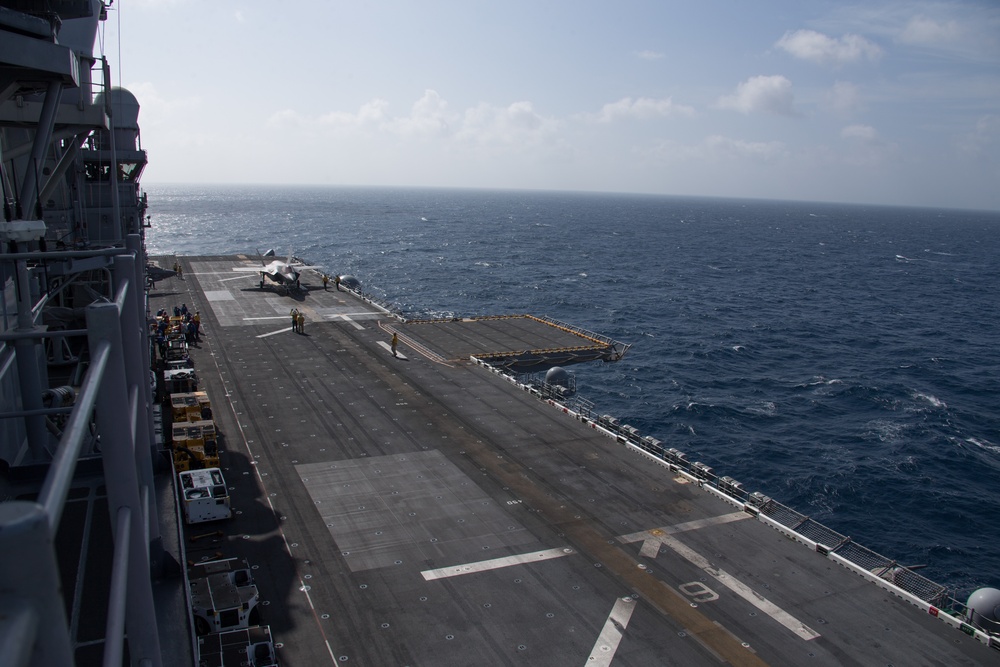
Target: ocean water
(841,359)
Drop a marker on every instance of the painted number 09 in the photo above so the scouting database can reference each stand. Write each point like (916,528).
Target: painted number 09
(698,591)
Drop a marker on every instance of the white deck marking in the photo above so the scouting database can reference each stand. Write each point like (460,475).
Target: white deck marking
(386,345)
(653,539)
(495,563)
(274,333)
(709,521)
(269,317)
(206,273)
(611,634)
(226,280)
(650,548)
(348,319)
(682,527)
(738,587)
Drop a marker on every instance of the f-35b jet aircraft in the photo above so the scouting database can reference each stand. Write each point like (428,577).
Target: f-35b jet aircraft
(281,272)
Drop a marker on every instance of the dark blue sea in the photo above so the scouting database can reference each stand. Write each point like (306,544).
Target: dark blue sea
(841,359)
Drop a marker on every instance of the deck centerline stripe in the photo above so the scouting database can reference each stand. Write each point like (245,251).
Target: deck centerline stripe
(495,563)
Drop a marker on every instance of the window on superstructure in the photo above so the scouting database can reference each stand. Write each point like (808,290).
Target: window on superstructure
(97,171)
(127,171)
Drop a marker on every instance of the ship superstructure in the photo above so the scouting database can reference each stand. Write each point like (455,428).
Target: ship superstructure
(77,432)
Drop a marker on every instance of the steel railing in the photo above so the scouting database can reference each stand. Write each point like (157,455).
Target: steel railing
(36,632)
(933,598)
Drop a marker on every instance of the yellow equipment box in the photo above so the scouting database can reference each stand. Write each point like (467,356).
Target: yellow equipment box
(190,406)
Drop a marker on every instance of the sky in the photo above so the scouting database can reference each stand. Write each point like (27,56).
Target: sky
(880,102)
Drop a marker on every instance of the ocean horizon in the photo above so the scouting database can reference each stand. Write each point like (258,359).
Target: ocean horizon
(840,358)
(173,185)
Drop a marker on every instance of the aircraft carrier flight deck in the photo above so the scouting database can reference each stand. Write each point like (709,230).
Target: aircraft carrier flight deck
(423,509)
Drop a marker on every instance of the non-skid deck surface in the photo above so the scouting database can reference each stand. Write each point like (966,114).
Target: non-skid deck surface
(457,340)
(407,512)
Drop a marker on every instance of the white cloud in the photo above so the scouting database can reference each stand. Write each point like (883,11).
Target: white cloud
(641,108)
(844,98)
(988,126)
(980,141)
(862,132)
(285,118)
(516,124)
(155,108)
(761,150)
(650,55)
(428,116)
(717,148)
(819,48)
(864,147)
(771,94)
(964,30)
(925,31)
(370,113)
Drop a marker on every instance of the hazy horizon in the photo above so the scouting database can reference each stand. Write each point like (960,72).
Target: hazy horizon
(665,195)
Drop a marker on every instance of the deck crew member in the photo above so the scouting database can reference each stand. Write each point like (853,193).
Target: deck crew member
(302,323)
(295,320)
(395,342)
(336,280)
(326,281)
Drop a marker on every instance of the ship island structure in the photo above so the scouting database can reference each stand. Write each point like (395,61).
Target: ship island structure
(217,484)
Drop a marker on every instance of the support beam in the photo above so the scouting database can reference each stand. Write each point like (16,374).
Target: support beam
(119,456)
(43,135)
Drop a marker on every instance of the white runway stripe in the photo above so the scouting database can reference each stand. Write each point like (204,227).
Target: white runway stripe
(495,563)
(275,333)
